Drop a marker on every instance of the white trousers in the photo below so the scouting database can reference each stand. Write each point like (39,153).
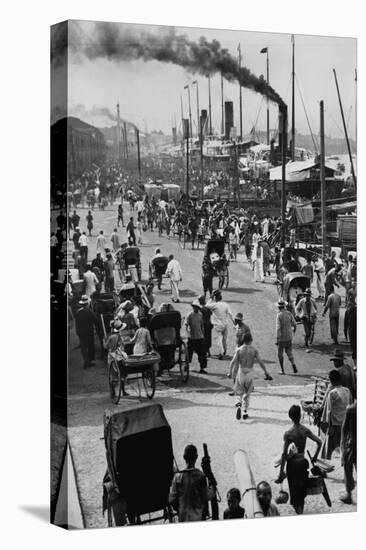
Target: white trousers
(175,289)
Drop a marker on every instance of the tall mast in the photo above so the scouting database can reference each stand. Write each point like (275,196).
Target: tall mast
(222,106)
(345,132)
(356,111)
(209,103)
(293,100)
(240,99)
(322,180)
(118,133)
(181,111)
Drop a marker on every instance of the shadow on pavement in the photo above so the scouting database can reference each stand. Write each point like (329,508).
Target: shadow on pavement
(264,420)
(243,290)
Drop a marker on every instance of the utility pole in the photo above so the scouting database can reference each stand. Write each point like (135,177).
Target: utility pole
(186,136)
(119,151)
(189,109)
(283,115)
(138,153)
(240,99)
(201,154)
(265,50)
(222,106)
(293,100)
(198,108)
(209,103)
(322,180)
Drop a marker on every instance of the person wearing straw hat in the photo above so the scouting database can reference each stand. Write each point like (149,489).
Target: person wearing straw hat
(348,375)
(84,325)
(285,328)
(306,310)
(196,336)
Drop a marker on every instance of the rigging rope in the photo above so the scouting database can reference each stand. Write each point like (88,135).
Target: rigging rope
(315,143)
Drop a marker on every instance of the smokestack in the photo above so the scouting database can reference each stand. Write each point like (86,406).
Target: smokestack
(282,128)
(174,133)
(229,118)
(204,122)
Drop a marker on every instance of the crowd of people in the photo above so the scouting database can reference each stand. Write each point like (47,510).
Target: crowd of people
(83,279)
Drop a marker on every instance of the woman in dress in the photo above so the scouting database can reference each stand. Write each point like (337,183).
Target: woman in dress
(294,459)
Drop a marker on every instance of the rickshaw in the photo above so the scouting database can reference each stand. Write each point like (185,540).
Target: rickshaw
(130,262)
(132,492)
(131,368)
(165,334)
(157,269)
(103,305)
(292,285)
(215,253)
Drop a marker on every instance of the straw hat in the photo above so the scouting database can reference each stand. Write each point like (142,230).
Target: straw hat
(117,325)
(84,300)
(196,303)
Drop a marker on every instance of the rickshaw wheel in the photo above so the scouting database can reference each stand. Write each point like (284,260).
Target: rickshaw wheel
(183,362)
(149,381)
(115,383)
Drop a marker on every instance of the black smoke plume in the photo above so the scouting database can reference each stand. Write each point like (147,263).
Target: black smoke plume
(117,42)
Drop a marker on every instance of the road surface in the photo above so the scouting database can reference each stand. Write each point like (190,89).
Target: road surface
(201,410)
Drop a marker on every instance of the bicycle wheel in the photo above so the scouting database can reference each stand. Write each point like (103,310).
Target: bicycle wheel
(149,381)
(115,382)
(183,362)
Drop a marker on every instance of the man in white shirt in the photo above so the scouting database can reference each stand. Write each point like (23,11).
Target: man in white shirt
(221,313)
(175,274)
(90,280)
(101,243)
(320,272)
(83,244)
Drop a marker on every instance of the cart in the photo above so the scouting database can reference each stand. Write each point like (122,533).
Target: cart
(215,254)
(130,263)
(167,341)
(157,269)
(140,466)
(290,281)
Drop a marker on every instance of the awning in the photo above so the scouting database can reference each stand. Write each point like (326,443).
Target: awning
(297,171)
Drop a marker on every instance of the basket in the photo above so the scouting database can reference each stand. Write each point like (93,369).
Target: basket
(314,485)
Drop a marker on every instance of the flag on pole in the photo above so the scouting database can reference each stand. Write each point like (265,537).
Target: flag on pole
(194,81)
(186,87)
(264,50)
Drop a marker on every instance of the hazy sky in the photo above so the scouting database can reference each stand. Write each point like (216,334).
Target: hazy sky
(150,91)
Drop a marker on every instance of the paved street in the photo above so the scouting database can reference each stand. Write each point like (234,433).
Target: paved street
(201,410)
